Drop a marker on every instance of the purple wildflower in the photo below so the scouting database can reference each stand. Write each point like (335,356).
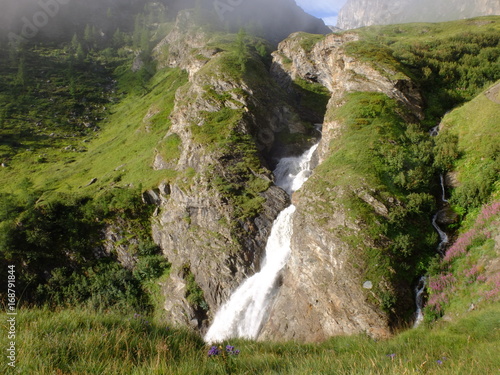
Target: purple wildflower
(213,351)
(229,348)
(392,355)
(439,362)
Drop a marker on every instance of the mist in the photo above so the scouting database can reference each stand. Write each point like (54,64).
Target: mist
(60,19)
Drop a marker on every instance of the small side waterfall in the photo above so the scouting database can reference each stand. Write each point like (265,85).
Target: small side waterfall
(442,235)
(419,300)
(443,191)
(245,312)
(422,282)
(420,289)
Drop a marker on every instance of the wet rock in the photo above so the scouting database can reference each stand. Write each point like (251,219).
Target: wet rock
(152,197)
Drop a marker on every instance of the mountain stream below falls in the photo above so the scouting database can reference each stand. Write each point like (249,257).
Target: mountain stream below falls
(443,241)
(246,311)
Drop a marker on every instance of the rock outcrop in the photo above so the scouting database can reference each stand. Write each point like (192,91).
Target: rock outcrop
(215,217)
(328,63)
(325,274)
(359,13)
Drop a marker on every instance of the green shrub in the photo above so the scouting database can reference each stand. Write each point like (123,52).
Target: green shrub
(150,267)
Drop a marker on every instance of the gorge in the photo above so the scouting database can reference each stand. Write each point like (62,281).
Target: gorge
(246,311)
(156,184)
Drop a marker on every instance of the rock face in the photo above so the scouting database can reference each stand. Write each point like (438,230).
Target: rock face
(202,230)
(324,276)
(359,13)
(328,64)
(323,281)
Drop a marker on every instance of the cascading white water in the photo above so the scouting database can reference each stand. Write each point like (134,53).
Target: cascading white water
(443,191)
(421,286)
(244,314)
(419,300)
(442,235)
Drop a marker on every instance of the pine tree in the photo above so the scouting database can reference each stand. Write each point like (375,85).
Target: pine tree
(21,78)
(118,39)
(75,42)
(138,27)
(80,53)
(145,41)
(87,34)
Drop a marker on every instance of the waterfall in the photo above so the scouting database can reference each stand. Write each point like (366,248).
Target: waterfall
(419,300)
(434,131)
(443,191)
(422,282)
(244,314)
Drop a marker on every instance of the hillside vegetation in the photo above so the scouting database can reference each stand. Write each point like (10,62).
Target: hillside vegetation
(80,130)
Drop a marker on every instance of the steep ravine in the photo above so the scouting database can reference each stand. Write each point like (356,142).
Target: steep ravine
(214,221)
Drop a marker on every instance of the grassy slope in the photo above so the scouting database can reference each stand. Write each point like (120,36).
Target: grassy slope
(452,61)
(469,273)
(123,152)
(81,342)
(477,125)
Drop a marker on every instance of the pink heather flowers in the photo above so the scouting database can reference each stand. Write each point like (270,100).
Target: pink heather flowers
(463,242)
(442,286)
(441,282)
(494,292)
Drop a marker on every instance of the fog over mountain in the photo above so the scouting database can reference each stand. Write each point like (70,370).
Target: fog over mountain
(359,13)
(55,18)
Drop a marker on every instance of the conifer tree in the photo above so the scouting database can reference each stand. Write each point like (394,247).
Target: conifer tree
(118,38)
(80,53)
(21,78)
(87,35)
(138,28)
(75,42)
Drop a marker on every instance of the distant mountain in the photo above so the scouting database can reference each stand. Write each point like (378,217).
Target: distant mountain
(359,13)
(274,20)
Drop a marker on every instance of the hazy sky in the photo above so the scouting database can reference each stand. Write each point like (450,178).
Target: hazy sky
(326,9)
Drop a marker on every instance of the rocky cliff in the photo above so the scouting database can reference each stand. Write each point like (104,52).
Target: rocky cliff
(328,64)
(213,222)
(327,276)
(359,13)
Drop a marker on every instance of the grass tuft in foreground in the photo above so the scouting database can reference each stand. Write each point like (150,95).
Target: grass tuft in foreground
(83,342)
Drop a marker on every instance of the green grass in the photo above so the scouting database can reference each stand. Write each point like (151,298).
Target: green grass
(378,153)
(314,96)
(308,41)
(122,153)
(452,61)
(83,342)
(478,165)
